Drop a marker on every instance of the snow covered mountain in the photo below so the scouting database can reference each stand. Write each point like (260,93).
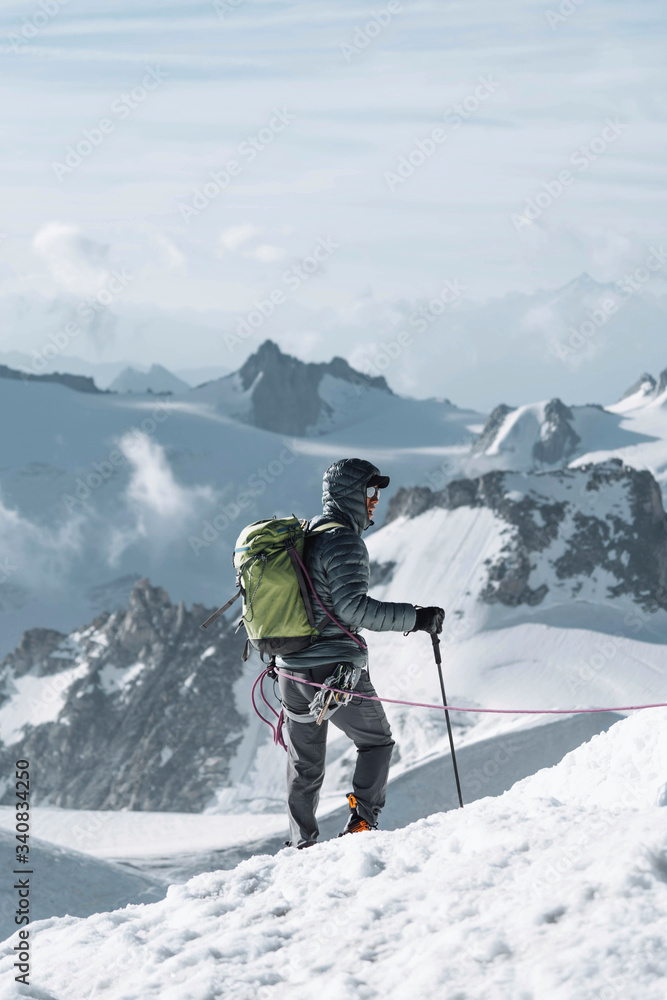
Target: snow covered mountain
(595,532)
(134,711)
(156,380)
(553,890)
(541,436)
(280,393)
(550,435)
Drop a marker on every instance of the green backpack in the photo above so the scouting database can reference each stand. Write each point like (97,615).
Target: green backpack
(277,608)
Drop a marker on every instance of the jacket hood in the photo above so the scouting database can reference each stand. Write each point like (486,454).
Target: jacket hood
(344,492)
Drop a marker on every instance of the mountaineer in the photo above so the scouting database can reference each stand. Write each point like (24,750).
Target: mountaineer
(337,562)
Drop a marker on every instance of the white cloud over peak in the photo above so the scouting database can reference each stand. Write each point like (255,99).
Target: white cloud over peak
(78,265)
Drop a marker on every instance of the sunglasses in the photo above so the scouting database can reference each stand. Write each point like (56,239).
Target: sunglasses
(373,492)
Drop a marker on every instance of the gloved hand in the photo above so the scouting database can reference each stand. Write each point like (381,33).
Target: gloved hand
(429,620)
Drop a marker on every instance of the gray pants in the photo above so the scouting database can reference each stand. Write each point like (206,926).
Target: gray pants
(363,721)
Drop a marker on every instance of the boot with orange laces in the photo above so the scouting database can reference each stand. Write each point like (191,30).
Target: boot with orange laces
(355,823)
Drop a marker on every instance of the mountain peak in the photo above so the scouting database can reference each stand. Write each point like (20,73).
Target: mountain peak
(157,380)
(645,383)
(288,400)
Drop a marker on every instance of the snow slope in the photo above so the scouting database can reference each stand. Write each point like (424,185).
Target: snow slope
(555,890)
(67,882)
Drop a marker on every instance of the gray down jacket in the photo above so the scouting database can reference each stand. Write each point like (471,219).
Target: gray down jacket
(338,565)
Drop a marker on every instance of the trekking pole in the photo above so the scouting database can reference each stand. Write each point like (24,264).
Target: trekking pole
(436,652)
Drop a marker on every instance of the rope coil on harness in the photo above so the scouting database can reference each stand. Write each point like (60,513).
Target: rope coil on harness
(277,729)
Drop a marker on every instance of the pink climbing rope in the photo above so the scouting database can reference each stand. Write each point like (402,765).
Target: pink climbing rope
(494,711)
(277,730)
(280,716)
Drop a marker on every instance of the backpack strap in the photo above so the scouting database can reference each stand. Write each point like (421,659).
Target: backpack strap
(303,586)
(324,527)
(220,611)
(314,531)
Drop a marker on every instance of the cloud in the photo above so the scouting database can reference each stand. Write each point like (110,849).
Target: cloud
(266,253)
(161,507)
(170,255)
(36,555)
(78,265)
(235,236)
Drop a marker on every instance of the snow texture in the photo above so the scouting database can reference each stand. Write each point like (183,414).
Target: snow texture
(555,890)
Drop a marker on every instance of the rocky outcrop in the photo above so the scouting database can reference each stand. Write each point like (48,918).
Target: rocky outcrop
(494,422)
(81,383)
(558,439)
(649,387)
(645,382)
(563,527)
(285,398)
(138,707)
(555,445)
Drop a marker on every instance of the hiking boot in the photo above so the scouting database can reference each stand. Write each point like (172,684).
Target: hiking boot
(355,823)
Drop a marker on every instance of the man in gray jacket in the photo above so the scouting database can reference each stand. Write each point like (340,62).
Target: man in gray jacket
(338,565)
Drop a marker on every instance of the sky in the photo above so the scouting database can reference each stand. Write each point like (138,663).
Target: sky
(334,162)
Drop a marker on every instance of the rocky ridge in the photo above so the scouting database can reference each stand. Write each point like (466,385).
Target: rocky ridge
(565,530)
(80,383)
(137,707)
(555,443)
